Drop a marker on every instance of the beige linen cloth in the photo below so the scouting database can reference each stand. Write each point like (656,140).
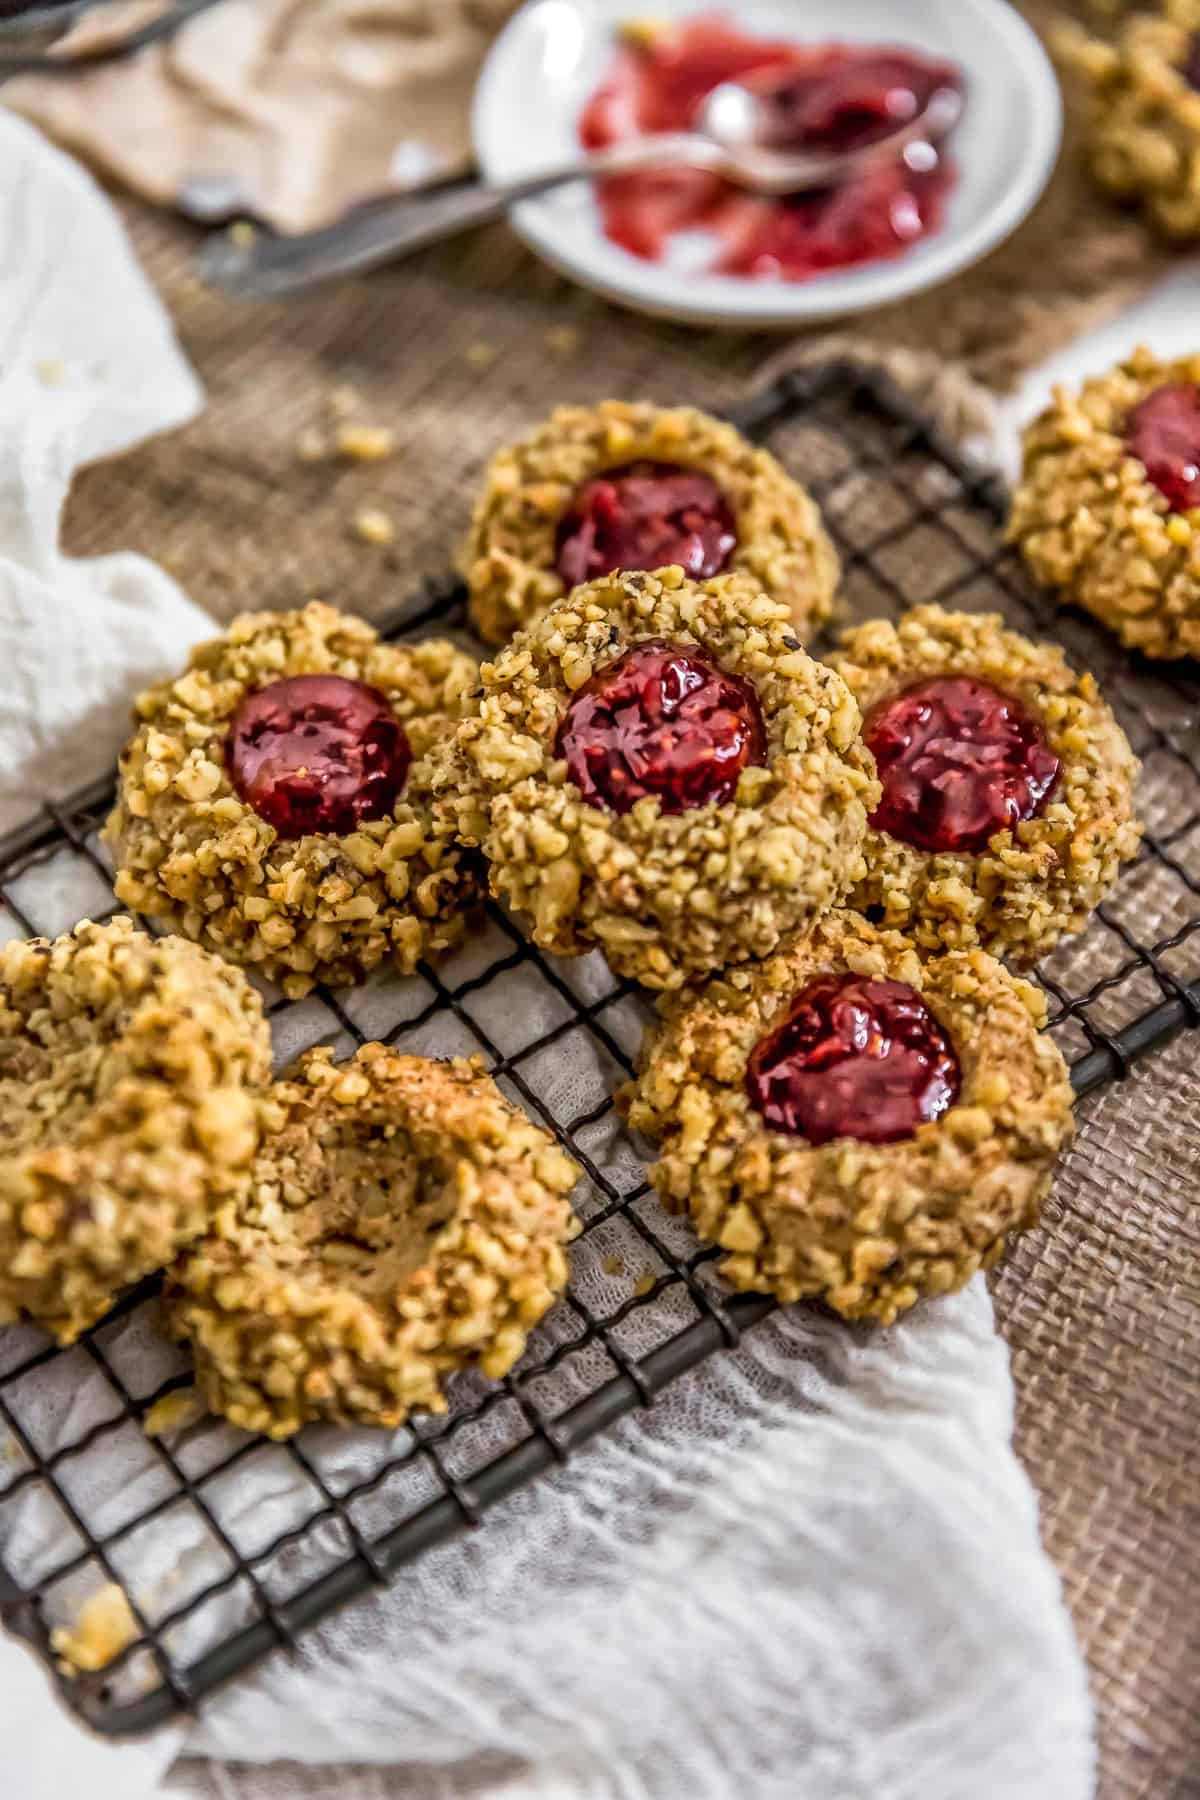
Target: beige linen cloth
(291,110)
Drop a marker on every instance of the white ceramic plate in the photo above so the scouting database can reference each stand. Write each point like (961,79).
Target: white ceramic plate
(552,54)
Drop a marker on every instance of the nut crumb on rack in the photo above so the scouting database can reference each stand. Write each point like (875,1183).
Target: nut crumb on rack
(481,355)
(562,339)
(103,1627)
(174,1412)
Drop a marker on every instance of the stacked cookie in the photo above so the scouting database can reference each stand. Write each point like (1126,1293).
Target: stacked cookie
(128,1069)
(814,862)
(350,1235)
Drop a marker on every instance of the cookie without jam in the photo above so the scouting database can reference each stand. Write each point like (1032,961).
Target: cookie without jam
(1045,876)
(1090,521)
(405,1221)
(1143,139)
(668,896)
(322,906)
(510,558)
(867,1227)
(127,1065)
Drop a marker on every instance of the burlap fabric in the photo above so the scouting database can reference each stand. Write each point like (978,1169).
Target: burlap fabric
(1102,1313)
(464,347)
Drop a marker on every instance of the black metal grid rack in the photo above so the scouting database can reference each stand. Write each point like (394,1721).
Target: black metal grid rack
(913,521)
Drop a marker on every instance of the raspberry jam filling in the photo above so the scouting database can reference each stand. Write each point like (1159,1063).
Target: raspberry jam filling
(662,722)
(958,761)
(1191,67)
(317,753)
(646,515)
(828,97)
(854,1058)
(1164,434)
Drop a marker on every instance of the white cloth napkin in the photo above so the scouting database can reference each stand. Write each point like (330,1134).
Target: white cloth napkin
(811,1570)
(88,367)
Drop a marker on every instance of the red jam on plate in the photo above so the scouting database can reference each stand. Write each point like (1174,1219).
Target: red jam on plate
(1164,434)
(854,1058)
(646,515)
(958,761)
(827,98)
(317,753)
(661,721)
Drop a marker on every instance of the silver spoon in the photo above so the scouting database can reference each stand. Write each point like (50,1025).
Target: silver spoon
(732,139)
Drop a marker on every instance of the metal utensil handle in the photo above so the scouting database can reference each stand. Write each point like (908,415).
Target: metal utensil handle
(385,229)
(29,62)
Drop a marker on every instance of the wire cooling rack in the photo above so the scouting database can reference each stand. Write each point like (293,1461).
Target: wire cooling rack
(913,521)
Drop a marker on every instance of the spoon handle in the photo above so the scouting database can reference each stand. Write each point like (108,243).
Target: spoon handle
(384,230)
(37,61)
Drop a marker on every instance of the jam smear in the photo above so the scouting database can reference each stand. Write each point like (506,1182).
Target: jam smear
(646,515)
(958,761)
(854,1058)
(317,753)
(1164,434)
(832,97)
(664,721)
(1191,68)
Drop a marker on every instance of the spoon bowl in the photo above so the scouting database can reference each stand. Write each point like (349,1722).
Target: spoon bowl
(745,123)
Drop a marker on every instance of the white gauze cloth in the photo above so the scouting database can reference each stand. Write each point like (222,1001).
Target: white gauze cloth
(89,366)
(811,1570)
